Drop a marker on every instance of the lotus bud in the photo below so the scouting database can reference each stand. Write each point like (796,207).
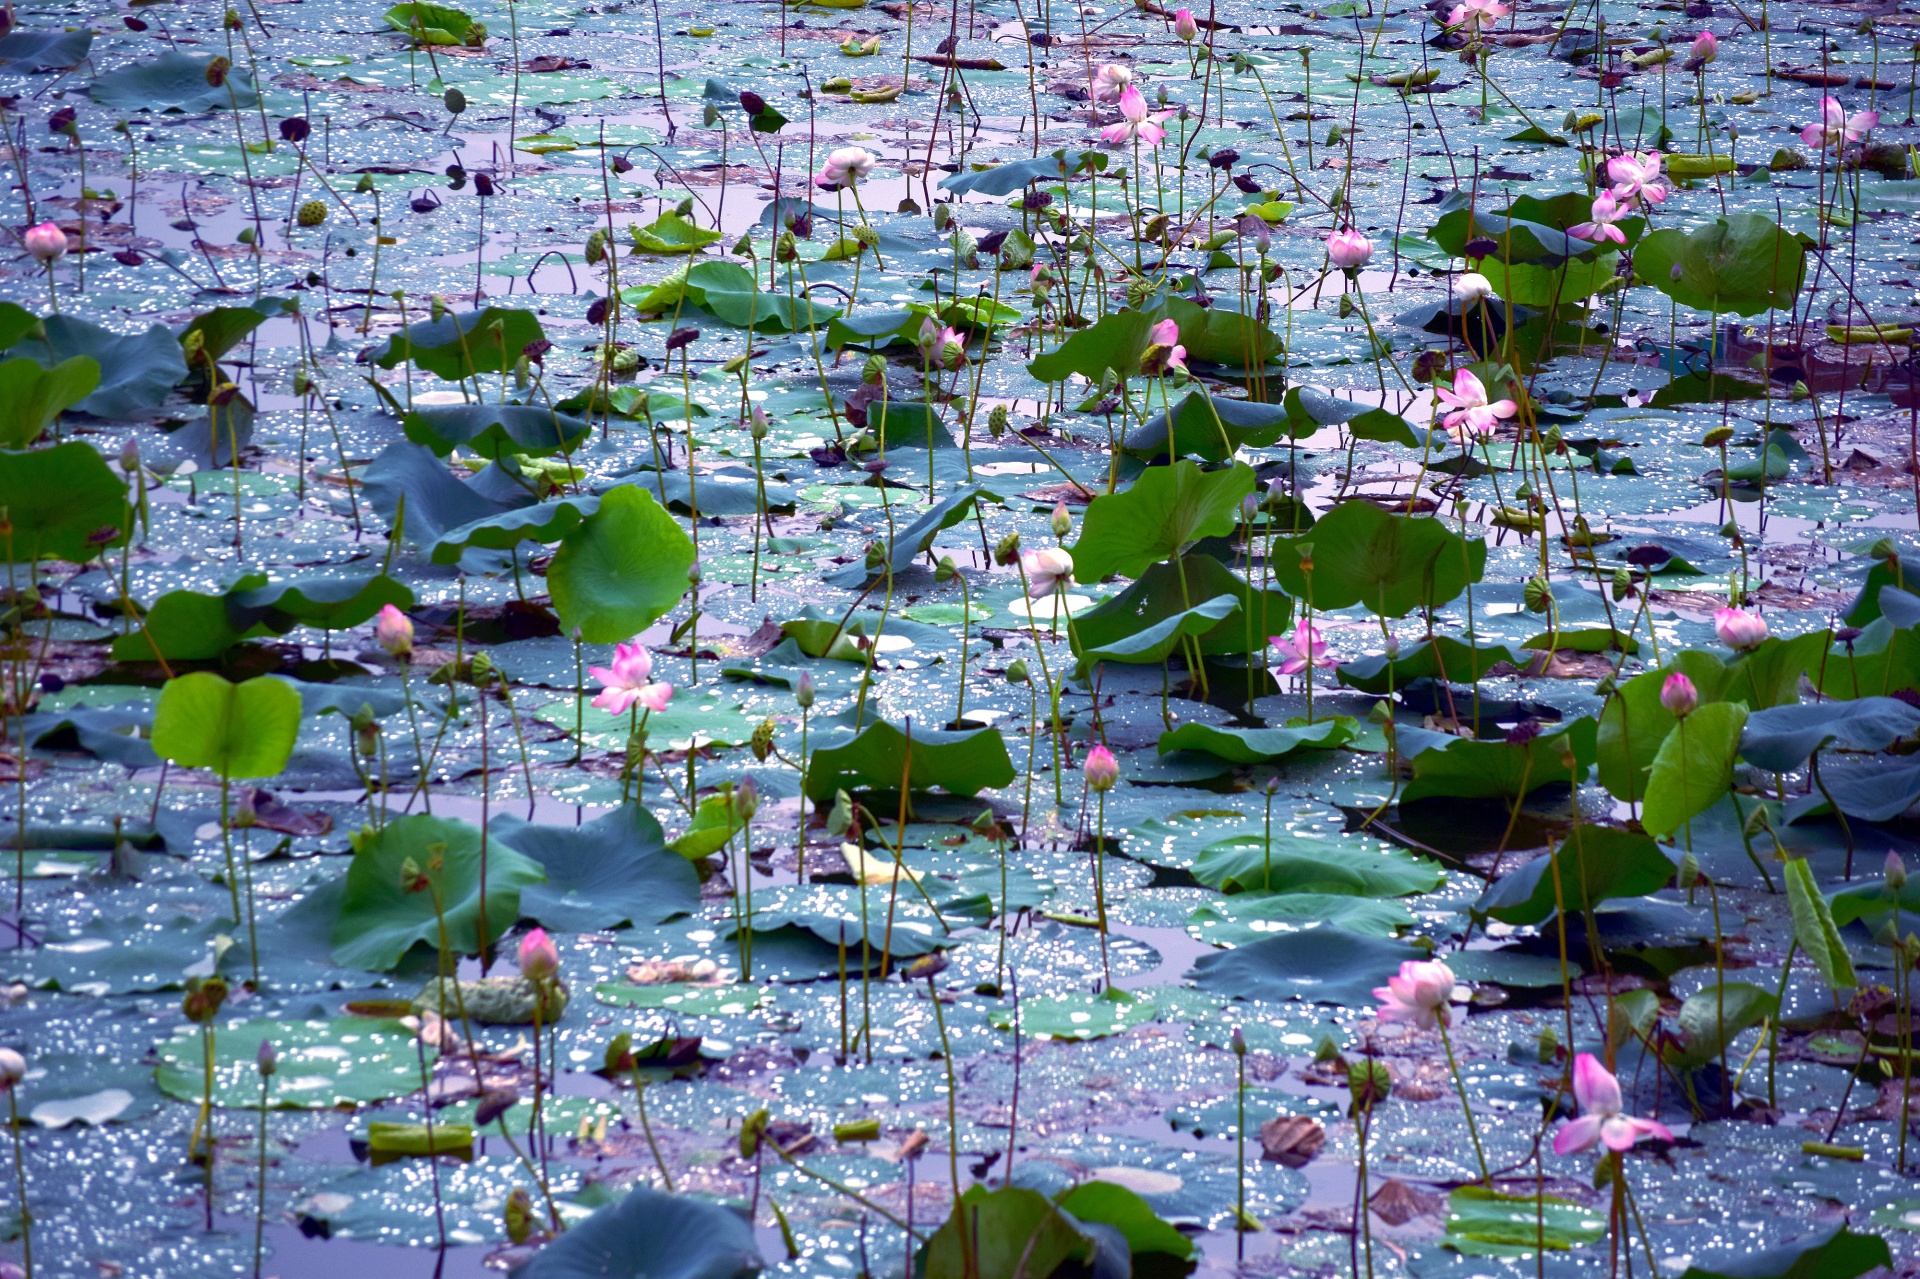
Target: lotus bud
(130,457)
(1896,871)
(694,575)
(1679,696)
(13,1068)
(1062,519)
(393,631)
(759,428)
(539,958)
(1102,770)
(803,690)
(746,800)
(1238,1042)
(266,1061)
(45,243)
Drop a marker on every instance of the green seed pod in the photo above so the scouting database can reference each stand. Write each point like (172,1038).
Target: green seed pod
(455,101)
(997,421)
(312,213)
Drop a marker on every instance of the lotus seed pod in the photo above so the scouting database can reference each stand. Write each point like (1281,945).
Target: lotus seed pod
(312,213)
(867,235)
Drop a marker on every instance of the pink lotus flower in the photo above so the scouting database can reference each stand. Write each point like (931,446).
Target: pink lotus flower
(1103,770)
(1636,178)
(941,345)
(1045,569)
(1469,287)
(1835,129)
(539,960)
(1606,212)
(1738,629)
(1111,81)
(1472,415)
(1421,995)
(1475,14)
(46,243)
(1349,250)
(1184,26)
(627,681)
(1601,1120)
(1706,47)
(1163,350)
(845,167)
(393,631)
(1136,123)
(1305,649)
(1679,696)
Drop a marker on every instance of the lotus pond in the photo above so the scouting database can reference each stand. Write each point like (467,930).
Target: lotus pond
(1271,639)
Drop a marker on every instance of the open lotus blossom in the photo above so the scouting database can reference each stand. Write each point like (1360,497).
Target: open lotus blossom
(1303,650)
(941,345)
(1184,26)
(1111,81)
(1045,569)
(628,681)
(1421,994)
(1470,287)
(845,167)
(1163,350)
(1136,122)
(1738,629)
(1601,1120)
(1835,128)
(46,242)
(1470,413)
(1475,14)
(1348,250)
(1606,213)
(1636,178)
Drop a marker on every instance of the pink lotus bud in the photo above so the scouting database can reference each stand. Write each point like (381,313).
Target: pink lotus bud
(1184,26)
(393,631)
(1738,629)
(46,242)
(539,960)
(1103,770)
(1705,48)
(1679,696)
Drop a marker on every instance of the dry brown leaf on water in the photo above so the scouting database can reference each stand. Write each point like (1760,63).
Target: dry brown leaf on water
(1397,1203)
(1293,1140)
